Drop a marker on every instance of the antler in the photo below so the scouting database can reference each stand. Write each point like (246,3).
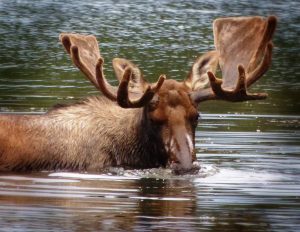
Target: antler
(85,55)
(245,50)
(123,97)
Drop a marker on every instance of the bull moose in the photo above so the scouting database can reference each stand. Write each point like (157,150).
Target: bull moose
(137,124)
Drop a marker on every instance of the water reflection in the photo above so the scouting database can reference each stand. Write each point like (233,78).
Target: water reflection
(230,200)
(44,202)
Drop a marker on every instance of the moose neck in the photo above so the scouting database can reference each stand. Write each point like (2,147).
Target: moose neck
(142,139)
(151,139)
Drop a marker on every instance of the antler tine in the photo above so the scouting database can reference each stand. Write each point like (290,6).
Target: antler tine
(66,42)
(159,83)
(215,83)
(241,88)
(236,95)
(123,96)
(76,60)
(102,82)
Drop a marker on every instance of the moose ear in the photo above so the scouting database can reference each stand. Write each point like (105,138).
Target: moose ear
(137,83)
(198,78)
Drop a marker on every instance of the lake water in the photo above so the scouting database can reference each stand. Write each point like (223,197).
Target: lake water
(248,152)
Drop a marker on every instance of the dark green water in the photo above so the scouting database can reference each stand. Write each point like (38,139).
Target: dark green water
(249,152)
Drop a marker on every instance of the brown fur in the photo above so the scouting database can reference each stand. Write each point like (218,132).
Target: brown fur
(87,136)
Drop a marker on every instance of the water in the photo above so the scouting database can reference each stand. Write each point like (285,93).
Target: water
(248,152)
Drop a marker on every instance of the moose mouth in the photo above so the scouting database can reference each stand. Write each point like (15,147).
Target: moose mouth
(177,169)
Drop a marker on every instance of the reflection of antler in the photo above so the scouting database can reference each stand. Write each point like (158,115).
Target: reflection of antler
(245,50)
(85,55)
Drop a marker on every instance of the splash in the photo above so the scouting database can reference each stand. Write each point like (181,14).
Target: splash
(121,174)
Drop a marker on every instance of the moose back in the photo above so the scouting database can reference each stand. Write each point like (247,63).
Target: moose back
(138,124)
